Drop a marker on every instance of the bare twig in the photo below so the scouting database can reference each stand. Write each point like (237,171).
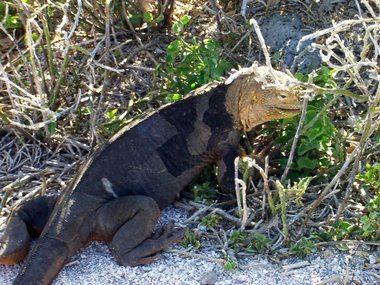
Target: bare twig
(283,205)
(341,26)
(135,35)
(297,265)
(238,184)
(243,9)
(63,70)
(335,279)
(327,189)
(218,211)
(196,255)
(256,27)
(296,138)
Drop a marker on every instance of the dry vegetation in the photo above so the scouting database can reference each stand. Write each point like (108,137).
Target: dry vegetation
(72,73)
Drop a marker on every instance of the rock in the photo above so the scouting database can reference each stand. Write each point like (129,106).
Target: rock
(282,33)
(209,278)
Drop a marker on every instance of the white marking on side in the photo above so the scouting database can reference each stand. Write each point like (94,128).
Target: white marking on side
(108,187)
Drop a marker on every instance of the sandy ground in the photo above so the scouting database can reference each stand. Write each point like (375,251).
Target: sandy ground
(95,265)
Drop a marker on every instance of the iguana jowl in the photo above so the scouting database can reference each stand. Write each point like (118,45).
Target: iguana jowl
(118,194)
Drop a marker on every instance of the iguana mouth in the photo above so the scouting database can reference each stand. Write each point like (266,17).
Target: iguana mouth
(289,109)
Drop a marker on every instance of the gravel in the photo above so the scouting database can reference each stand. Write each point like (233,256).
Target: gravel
(95,265)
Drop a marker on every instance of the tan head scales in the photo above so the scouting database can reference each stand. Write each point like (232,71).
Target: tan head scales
(265,96)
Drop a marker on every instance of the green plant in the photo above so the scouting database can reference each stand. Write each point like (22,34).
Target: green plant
(296,192)
(283,206)
(204,191)
(229,264)
(370,179)
(303,247)
(320,146)
(190,240)
(259,243)
(341,230)
(138,18)
(371,222)
(179,26)
(211,220)
(190,65)
(9,17)
(324,77)
(236,240)
(113,122)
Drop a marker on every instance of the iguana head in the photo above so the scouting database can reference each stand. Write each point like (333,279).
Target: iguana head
(263,98)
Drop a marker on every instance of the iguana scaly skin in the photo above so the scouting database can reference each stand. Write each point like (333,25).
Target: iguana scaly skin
(119,192)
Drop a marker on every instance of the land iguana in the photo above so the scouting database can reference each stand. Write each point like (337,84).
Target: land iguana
(119,192)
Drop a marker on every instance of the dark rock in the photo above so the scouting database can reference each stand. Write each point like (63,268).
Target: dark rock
(282,33)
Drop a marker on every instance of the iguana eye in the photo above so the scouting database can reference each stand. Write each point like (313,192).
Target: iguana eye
(282,96)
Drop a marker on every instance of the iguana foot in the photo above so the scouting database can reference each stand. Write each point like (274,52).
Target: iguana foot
(26,222)
(260,156)
(149,249)
(15,243)
(127,222)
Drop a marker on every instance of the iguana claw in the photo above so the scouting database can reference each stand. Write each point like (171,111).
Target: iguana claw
(149,250)
(260,157)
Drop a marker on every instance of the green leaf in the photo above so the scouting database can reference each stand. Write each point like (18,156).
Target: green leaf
(178,28)
(259,243)
(304,183)
(148,17)
(225,65)
(160,18)
(304,247)
(176,97)
(306,163)
(185,19)
(136,19)
(34,36)
(301,77)
(190,65)
(217,73)
(51,127)
(342,247)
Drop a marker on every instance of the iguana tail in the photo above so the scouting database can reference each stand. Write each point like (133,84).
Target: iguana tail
(45,260)
(66,231)
(25,222)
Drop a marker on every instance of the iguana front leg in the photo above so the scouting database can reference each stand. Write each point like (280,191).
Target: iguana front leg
(226,167)
(26,222)
(128,223)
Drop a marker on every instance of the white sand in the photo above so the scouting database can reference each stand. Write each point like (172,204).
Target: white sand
(95,265)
